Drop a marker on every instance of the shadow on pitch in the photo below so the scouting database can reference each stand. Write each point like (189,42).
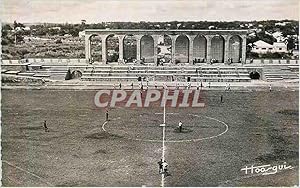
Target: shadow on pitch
(183,130)
(102,135)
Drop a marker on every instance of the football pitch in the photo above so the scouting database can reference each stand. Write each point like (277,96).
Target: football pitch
(82,149)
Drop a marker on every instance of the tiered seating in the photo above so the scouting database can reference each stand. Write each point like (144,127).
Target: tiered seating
(194,73)
(165,73)
(52,72)
(12,72)
(41,71)
(275,73)
(3,70)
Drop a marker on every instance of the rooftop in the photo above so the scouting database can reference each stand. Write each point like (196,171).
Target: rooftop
(261,43)
(161,30)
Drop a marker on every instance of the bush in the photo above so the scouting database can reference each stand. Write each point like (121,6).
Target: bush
(252,55)
(177,61)
(58,41)
(275,55)
(4,42)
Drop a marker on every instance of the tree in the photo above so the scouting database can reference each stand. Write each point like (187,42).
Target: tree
(74,32)
(288,30)
(291,43)
(16,24)
(58,41)
(6,27)
(83,22)
(267,38)
(19,38)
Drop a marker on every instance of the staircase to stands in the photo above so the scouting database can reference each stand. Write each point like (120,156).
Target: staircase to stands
(276,73)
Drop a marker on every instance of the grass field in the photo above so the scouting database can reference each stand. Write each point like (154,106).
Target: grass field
(262,129)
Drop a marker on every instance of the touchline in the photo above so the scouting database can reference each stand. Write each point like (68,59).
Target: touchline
(138,98)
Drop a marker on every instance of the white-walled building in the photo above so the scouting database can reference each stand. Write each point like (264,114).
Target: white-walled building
(278,36)
(280,47)
(55,28)
(263,47)
(27,28)
(281,23)
(81,34)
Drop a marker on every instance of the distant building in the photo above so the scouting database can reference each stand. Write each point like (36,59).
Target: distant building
(280,47)
(18,29)
(81,34)
(278,36)
(253,34)
(281,23)
(297,43)
(160,40)
(27,28)
(30,38)
(164,50)
(263,47)
(295,54)
(111,52)
(55,28)
(267,33)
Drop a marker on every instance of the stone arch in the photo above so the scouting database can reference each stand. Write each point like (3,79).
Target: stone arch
(147,48)
(235,48)
(217,48)
(129,48)
(112,48)
(76,74)
(200,48)
(182,49)
(164,48)
(95,47)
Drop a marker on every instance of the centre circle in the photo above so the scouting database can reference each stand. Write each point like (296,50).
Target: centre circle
(147,127)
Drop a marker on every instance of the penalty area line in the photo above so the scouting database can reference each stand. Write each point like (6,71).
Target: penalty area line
(26,171)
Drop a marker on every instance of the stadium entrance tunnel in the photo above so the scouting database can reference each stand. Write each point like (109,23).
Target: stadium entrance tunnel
(76,74)
(254,75)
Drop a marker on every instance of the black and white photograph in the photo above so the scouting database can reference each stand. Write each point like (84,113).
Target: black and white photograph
(149,93)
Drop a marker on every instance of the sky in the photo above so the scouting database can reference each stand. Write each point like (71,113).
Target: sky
(94,11)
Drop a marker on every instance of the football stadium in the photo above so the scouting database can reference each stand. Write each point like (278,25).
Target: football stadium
(171,108)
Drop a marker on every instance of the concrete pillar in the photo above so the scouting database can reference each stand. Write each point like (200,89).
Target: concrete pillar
(103,42)
(121,47)
(226,48)
(173,38)
(87,48)
(155,39)
(138,47)
(191,46)
(244,48)
(208,48)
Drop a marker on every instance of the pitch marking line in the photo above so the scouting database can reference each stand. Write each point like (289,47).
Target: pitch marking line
(167,113)
(104,125)
(179,141)
(26,171)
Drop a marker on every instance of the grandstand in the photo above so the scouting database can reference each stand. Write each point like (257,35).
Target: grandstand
(57,71)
